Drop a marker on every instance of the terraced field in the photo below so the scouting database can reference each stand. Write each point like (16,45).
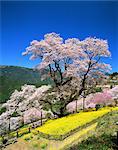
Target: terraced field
(65,125)
(34,140)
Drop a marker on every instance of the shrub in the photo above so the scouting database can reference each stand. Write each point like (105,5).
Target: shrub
(48,115)
(98,89)
(97,106)
(35,132)
(4,141)
(38,137)
(28,137)
(15,114)
(43,146)
(35,145)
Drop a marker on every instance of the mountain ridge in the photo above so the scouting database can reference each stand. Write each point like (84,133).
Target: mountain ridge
(13,77)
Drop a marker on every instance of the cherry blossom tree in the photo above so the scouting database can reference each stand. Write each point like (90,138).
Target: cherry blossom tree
(68,60)
(27,98)
(23,107)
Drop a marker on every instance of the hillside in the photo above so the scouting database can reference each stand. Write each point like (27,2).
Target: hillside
(104,138)
(13,77)
(96,135)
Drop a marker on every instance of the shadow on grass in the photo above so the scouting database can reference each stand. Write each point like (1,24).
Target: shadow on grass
(103,142)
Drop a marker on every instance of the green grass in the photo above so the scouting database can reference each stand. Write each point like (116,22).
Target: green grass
(28,136)
(104,137)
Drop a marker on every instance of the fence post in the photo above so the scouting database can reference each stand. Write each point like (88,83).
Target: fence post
(29,130)
(41,118)
(17,134)
(9,124)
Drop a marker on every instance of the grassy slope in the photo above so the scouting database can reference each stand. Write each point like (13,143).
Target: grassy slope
(102,138)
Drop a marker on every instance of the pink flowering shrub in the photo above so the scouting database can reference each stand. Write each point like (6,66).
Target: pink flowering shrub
(102,98)
(72,106)
(91,105)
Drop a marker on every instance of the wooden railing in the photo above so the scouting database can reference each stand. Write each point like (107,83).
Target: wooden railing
(11,137)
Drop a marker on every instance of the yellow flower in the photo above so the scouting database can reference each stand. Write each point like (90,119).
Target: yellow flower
(63,125)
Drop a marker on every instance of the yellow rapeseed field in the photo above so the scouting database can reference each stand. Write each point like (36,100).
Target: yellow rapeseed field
(63,125)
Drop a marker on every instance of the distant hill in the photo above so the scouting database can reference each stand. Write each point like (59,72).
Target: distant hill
(13,77)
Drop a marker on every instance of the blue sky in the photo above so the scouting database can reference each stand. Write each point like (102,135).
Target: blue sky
(24,21)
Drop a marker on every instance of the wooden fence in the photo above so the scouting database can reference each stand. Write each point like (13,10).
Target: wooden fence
(12,136)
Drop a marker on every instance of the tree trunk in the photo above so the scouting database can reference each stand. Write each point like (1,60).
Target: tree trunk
(9,125)
(83,103)
(76,107)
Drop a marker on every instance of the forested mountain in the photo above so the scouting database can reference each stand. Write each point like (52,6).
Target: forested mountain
(13,77)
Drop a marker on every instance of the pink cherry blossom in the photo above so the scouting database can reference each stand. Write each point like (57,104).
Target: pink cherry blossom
(32,115)
(54,48)
(102,98)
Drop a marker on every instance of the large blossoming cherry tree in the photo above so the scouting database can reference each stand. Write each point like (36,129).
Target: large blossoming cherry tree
(73,65)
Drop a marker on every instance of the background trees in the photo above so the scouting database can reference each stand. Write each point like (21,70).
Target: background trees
(75,66)
(114,93)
